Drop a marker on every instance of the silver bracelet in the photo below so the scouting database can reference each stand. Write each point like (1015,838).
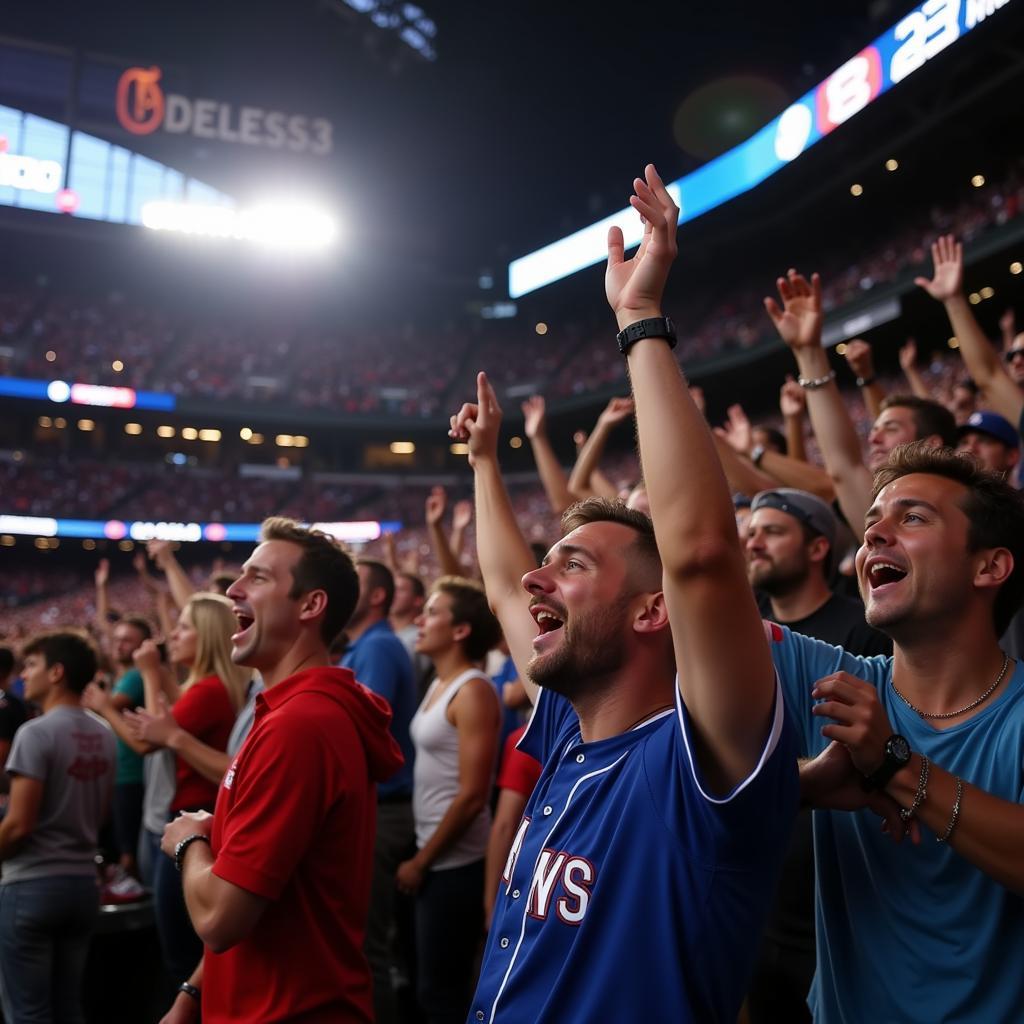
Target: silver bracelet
(813,383)
(956,812)
(906,813)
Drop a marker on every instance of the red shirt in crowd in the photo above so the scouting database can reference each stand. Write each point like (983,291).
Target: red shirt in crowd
(295,824)
(205,711)
(519,772)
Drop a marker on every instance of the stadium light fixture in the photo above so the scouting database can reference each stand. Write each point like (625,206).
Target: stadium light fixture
(165,431)
(89,544)
(245,433)
(892,165)
(541,328)
(459,448)
(45,421)
(284,441)
(117,366)
(841,349)
(282,224)
(1016,267)
(987,292)
(7,541)
(515,442)
(953,342)
(190,433)
(60,423)
(86,425)
(256,439)
(856,189)
(978,180)
(133,428)
(403,448)
(209,434)
(974,298)
(300,441)
(51,356)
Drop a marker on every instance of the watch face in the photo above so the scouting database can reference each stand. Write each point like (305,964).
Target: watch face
(899,748)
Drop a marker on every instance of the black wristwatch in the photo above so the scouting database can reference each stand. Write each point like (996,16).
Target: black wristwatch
(653,327)
(897,754)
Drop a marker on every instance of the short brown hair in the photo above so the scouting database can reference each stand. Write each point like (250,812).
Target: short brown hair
(929,417)
(139,623)
(994,509)
(68,648)
(644,548)
(381,577)
(324,565)
(469,605)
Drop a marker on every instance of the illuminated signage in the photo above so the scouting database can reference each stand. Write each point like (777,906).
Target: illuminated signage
(183,533)
(27,174)
(61,391)
(891,58)
(143,107)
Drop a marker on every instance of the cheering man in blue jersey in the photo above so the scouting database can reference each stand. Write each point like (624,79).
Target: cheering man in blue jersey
(640,876)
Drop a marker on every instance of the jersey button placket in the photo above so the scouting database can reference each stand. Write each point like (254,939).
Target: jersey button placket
(580,758)
(515,894)
(548,810)
(504,943)
(479,1014)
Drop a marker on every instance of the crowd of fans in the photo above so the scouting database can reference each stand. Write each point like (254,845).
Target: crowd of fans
(408,372)
(311,819)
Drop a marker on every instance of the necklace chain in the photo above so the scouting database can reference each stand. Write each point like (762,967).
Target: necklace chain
(963,711)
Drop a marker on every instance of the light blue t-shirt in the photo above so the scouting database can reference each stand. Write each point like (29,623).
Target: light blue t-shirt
(910,933)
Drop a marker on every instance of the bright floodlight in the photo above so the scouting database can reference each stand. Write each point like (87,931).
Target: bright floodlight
(289,225)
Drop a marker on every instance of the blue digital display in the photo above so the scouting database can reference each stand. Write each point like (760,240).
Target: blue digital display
(892,57)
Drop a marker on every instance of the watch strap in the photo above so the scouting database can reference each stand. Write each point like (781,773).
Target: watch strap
(653,327)
(880,777)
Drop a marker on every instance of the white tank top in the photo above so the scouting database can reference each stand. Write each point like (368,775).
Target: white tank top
(436,776)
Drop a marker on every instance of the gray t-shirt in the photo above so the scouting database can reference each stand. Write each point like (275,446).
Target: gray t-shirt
(158,775)
(73,753)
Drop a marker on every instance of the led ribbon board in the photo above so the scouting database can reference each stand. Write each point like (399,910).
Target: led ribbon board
(98,395)
(184,533)
(892,57)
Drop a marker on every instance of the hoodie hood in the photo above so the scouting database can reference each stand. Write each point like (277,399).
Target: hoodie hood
(370,713)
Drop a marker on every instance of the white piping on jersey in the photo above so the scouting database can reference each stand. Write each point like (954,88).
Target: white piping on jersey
(533,881)
(769,746)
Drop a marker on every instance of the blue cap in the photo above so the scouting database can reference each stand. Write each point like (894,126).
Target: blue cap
(992,424)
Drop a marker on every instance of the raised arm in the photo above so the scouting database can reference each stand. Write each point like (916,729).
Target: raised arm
(793,406)
(982,359)
(584,480)
(434,508)
(101,578)
(552,476)
(759,470)
(462,516)
(798,322)
(858,355)
(908,364)
(726,677)
(177,579)
(501,548)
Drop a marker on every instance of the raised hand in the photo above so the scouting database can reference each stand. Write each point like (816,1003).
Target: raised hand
(146,656)
(159,551)
(635,286)
(737,430)
(535,412)
(96,698)
(799,319)
(479,423)
(157,729)
(579,439)
(102,574)
(616,411)
(948,269)
(858,355)
(1008,323)
(435,505)
(792,399)
(908,355)
(462,515)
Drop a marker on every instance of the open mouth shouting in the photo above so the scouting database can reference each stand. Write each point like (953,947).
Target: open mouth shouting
(883,574)
(245,622)
(549,622)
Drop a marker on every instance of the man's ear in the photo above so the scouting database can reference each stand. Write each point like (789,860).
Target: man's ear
(652,615)
(994,567)
(312,605)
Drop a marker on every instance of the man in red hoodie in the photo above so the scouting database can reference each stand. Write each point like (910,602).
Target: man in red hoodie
(277,880)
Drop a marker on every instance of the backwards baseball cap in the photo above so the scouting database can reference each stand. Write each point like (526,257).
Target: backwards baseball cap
(992,424)
(812,512)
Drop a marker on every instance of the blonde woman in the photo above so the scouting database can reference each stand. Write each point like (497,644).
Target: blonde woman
(205,706)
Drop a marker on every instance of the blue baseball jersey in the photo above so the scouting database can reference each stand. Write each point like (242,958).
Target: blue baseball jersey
(630,894)
(904,932)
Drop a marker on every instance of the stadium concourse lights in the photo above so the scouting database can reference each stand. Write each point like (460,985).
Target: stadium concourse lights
(459,448)
(856,189)
(892,165)
(978,180)
(281,225)
(1016,267)
(403,448)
